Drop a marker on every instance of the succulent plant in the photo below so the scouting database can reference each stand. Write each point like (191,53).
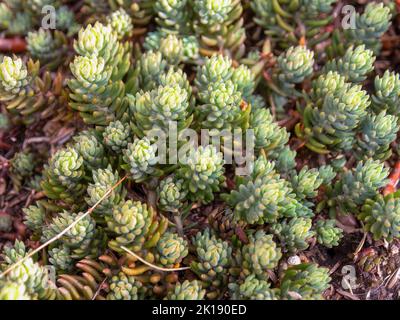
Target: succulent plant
(306,281)
(35,216)
(214,257)
(219,25)
(294,234)
(253,289)
(284,159)
(260,255)
(268,135)
(202,174)
(29,276)
(357,185)
(172,16)
(171,48)
(294,65)
(381,217)
(266,197)
(22,164)
(89,147)
(61,259)
(354,65)
(146,77)
(97,91)
(332,123)
(140,159)
(188,290)
(171,249)
(16,85)
(116,136)
(327,233)
(47,47)
(13,291)
(171,194)
(78,237)
(121,23)
(124,287)
(327,174)
(146,72)
(306,182)
(66,20)
(103,181)
(130,221)
(377,133)
(370,26)
(63,175)
(387,93)
(167,103)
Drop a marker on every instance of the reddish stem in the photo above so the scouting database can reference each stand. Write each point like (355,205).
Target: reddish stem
(15,45)
(393,180)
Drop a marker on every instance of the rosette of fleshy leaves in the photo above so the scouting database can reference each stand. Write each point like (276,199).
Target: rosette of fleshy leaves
(306,182)
(29,275)
(357,185)
(219,26)
(264,197)
(171,249)
(305,281)
(259,255)
(381,216)
(213,258)
(146,72)
(116,136)
(66,20)
(222,89)
(268,134)
(89,146)
(19,88)
(97,90)
(355,65)
(169,102)
(22,166)
(63,176)
(284,159)
(121,23)
(135,225)
(363,28)
(171,194)
(10,290)
(60,258)
(35,217)
(202,173)
(377,132)
(140,159)
(171,48)
(386,93)
(293,67)
(294,234)
(187,45)
(332,120)
(173,16)
(49,48)
(187,290)
(78,238)
(103,181)
(125,287)
(253,289)
(327,233)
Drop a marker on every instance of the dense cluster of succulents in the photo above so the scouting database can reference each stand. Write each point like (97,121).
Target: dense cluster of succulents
(198,148)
